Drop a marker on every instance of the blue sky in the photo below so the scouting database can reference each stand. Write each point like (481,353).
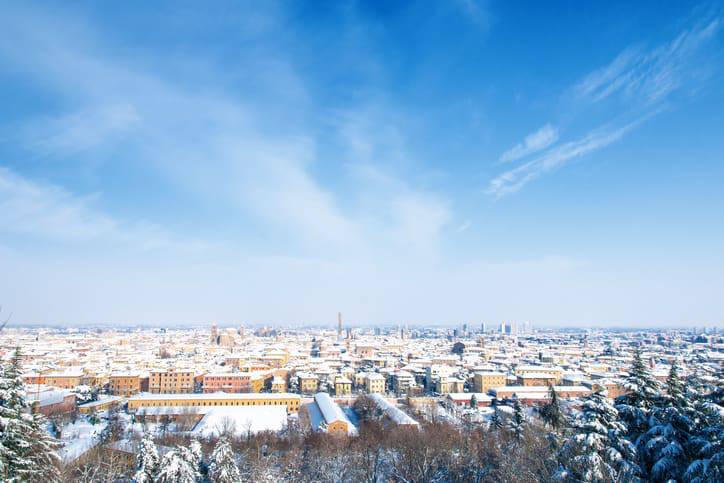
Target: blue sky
(413,162)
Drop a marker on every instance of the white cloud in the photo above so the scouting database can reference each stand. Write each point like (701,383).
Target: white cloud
(534,142)
(514,179)
(645,79)
(649,75)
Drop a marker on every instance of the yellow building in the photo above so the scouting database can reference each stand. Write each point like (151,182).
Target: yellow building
(171,381)
(291,401)
(446,385)
(485,381)
(100,405)
(557,372)
(342,386)
(536,379)
(308,383)
(375,383)
(278,385)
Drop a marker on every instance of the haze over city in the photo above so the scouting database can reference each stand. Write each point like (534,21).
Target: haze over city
(421,163)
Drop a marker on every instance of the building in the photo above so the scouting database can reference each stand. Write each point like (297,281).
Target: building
(291,401)
(308,383)
(445,385)
(537,379)
(101,405)
(342,386)
(375,383)
(124,384)
(278,385)
(539,393)
(326,415)
(394,414)
(171,381)
(462,399)
(64,380)
(557,372)
(485,381)
(231,382)
(50,401)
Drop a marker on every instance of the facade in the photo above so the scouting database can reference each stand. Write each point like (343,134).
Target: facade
(308,383)
(171,381)
(278,385)
(124,384)
(237,382)
(462,399)
(536,379)
(291,401)
(342,386)
(100,405)
(445,385)
(485,381)
(64,380)
(375,383)
(557,372)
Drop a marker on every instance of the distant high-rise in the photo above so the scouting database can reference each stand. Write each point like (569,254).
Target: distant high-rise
(339,324)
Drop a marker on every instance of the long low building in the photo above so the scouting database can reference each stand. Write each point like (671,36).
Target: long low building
(539,392)
(291,401)
(325,414)
(393,413)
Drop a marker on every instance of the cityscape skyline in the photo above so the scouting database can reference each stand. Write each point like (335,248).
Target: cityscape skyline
(397,161)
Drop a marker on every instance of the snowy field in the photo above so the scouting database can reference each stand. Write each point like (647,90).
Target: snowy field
(79,437)
(241,420)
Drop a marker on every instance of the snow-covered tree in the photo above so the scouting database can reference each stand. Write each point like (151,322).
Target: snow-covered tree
(223,467)
(147,461)
(552,413)
(666,447)
(597,450)
(642,391)
(473,402)
(27,451)
(176,468)
(707,442)
(85,394)
(496,422)
(517,423)
(193,456)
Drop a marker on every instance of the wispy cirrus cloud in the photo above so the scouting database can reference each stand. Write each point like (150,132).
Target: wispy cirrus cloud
(534,142)
(513,180)
(643,79)
(651,75)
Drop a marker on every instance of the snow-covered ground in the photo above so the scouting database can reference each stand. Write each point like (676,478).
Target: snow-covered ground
(79,437)
(241,420)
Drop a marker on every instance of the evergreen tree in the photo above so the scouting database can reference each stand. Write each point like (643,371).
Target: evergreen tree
(552,412)
(473,402)
(516,424)
(666,447)
(707,442)
(147,461)
(642,391)
(176,468)
(223,467)
(674,385)
(27,451)
(597,450)
(496,422)
(193,456)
